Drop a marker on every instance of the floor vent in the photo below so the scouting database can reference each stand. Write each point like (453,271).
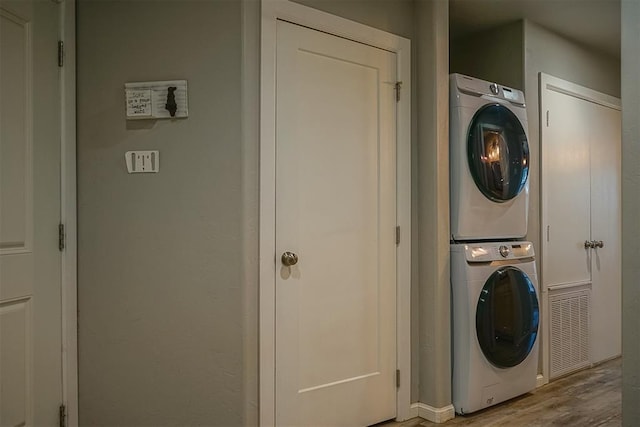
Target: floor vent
(569,324)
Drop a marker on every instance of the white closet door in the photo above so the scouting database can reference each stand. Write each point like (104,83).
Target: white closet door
(567,193)
(581,139)
(605,126)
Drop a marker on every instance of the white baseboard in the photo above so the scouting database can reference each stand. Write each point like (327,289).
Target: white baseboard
(435,415)
(540,381)
(413,412)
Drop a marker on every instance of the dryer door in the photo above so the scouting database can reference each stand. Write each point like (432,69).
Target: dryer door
(498,153)
(507,317)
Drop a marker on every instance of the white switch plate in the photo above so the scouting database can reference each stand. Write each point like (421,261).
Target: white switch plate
(142,161)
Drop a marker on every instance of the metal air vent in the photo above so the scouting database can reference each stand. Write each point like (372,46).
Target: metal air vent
(570,331)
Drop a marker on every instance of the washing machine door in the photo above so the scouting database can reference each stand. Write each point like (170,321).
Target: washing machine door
(507,317)
(498,153)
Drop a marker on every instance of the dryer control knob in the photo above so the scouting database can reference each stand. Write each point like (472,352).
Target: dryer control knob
(494,88)
(504,251)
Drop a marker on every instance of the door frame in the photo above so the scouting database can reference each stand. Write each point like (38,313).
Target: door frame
(68,212)
(556,84)
(272,11)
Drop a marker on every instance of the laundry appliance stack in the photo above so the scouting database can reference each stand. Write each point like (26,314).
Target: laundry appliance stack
(493,274)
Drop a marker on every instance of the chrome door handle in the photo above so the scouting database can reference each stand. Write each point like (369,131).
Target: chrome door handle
(289,258)
(597,244)
(589,244)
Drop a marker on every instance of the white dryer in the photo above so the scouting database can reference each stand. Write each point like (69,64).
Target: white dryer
(495,323)
(489,160)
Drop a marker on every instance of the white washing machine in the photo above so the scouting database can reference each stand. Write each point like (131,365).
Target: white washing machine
(495,323)
(489,160)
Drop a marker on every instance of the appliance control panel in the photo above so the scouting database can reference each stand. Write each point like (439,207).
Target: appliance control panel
(487,252)
(493,90)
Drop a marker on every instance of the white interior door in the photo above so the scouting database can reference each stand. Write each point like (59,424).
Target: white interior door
(567,193)
(336,210)
(606,316)
(30,261)
(581,194)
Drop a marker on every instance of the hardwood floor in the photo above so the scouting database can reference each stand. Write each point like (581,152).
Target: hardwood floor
(589,398)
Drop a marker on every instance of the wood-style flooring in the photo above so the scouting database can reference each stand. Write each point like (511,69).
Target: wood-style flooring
(589,398)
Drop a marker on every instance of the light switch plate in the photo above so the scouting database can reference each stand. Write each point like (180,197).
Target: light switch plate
(142,161)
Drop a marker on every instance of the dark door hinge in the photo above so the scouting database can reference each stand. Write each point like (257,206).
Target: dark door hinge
(63,416)
(397,378)
(60,53)
(61,237)
(398,88)
(398,235)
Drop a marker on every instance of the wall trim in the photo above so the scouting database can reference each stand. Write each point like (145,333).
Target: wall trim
(273,10)
(68,215)
(435,415)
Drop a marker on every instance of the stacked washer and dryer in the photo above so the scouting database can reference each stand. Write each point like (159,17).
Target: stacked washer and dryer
(495,311)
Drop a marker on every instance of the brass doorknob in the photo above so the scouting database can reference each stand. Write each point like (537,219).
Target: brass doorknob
(289,258)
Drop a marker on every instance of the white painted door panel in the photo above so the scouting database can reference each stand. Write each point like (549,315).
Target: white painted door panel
(581,151)
(606,316)
(30,278)
(335,208)
(566,153)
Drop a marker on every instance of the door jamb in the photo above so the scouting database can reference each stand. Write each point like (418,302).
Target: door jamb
(68,215)
(273,10)
(547,81)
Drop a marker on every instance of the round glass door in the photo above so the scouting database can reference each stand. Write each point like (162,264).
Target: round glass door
(498,153)
(507,317)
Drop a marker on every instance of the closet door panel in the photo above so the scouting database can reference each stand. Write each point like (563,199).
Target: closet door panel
(606,318)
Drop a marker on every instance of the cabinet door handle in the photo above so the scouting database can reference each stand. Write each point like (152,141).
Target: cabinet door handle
(589,244)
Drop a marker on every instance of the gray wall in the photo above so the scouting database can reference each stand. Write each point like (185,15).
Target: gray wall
(630,213)
(432,186)
(393,16)
(545,51)
(168,262)
(549,53)
(161,257)
(539,50)
(503,62)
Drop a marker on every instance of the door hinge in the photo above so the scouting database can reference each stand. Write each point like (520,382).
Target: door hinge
(63,416)
(547,118)
(397,235)
(397,378)
(61,237)
(398,88)
(60,53)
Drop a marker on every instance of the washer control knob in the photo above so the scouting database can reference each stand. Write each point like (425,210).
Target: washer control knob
(504,251)
(494,88)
